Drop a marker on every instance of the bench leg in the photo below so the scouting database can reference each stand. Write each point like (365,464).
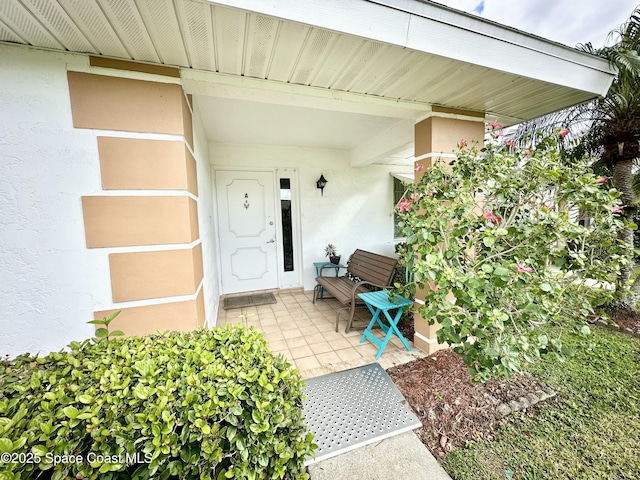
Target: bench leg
(338,317)
(315,293)
(352,313)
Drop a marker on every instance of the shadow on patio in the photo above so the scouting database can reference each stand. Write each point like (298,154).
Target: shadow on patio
(305,334)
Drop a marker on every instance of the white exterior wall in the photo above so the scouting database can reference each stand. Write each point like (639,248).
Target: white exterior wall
(49,281)
(206,221)
(356,210)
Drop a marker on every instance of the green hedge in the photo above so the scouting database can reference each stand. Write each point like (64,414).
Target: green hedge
(207,404)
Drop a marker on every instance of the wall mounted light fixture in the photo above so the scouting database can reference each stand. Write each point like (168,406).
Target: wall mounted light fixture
(321,183)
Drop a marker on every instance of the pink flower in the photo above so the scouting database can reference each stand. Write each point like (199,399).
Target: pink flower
(602,180)
(494,125)
(415,196)
(564,132)
(510,143)
(527,152)
(463,143)
(404,205)
(498,134)
(418,168)
(523,269)
(436,288)
(617,209)
(488,215)
(430,193)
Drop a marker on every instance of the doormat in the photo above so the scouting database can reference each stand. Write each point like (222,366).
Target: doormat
(350,409)
(251,300)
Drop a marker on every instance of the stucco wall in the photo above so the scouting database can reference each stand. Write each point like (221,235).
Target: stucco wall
(206,220)
(49,281)
(356,210)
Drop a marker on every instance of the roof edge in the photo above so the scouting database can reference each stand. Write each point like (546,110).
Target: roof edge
(483,26)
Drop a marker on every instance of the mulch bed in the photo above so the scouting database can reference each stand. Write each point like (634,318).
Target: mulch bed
(454,411)
(626,319)
(405,325)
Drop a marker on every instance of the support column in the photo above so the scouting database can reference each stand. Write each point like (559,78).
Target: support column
(436,140)
(145,218)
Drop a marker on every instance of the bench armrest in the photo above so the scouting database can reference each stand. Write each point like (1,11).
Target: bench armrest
(364,282)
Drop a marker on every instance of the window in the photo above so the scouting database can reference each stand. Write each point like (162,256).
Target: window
(398,193)
(401,182)
(287,224)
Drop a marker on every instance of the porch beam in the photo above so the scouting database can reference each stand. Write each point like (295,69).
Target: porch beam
(198,82)
(395,139)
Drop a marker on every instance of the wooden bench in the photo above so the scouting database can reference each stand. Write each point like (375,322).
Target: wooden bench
(364,270)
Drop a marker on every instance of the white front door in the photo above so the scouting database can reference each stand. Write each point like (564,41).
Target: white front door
(247,230)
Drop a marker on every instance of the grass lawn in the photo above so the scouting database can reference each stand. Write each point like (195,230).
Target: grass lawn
(591,430)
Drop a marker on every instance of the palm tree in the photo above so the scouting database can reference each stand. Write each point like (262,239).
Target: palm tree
(608,129)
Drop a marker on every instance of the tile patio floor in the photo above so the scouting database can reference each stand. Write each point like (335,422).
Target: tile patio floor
(305,334)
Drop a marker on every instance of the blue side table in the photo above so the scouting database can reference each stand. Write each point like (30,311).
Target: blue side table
(319,267)
(378,302)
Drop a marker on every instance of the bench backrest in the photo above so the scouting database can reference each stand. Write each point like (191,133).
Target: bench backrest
(372,267)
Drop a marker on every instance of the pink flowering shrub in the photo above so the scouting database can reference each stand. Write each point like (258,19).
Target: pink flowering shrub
(495,234)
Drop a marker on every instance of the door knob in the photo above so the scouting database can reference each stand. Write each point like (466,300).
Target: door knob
(271,241)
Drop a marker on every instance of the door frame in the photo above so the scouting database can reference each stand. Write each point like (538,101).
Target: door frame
(284,279)
(289,279)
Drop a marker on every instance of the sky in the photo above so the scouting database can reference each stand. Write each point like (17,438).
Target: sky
(565,21)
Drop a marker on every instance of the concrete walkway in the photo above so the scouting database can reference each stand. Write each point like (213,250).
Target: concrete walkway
(396,458)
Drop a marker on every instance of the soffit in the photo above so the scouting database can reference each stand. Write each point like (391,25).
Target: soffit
(415,53)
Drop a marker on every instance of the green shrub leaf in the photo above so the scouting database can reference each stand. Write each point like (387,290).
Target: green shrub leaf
(70,411)
(102,332)
(6,445)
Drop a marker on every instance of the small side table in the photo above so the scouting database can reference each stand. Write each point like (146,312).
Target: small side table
(378,302)
(319,268)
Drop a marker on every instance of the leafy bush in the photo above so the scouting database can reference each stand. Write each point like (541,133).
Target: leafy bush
(206,404)
(492,239)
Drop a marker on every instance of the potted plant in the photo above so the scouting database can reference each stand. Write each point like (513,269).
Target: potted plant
(331,252)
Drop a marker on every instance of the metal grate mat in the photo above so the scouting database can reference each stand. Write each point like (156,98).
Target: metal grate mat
(350,409)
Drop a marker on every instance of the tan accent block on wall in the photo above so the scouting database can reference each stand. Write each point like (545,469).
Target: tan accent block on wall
(112,103)
(422,326)
(192,172)
(175,316)
(421,292)
(113,221)
(193,219)
(442,135)
(187,121)
(141,164)
(428,347)
(200,307)
(166,273)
